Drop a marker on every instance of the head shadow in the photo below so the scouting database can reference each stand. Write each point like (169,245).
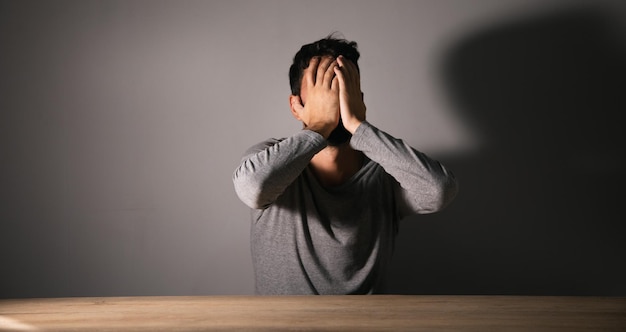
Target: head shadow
(538,207)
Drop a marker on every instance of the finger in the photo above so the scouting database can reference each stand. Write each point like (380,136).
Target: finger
(334,86)
(352,73)
(311,71)
(330,74)
(321,69)
(341,80)
(341,61)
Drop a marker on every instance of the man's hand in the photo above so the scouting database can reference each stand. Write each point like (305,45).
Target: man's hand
(318,106)
(351,105)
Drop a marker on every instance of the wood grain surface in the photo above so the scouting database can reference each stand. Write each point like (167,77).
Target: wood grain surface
(316,313)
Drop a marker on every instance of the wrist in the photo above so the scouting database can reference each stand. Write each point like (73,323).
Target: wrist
(352,125)
(322,130)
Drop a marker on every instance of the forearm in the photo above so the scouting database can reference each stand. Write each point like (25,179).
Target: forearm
(426,184)
(266,171)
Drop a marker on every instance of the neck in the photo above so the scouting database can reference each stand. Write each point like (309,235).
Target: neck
(335,165)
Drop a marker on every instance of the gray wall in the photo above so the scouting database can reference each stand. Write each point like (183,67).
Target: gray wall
(121,123)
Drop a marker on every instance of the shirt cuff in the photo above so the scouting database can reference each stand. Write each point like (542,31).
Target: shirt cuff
(360,134)
(314,138)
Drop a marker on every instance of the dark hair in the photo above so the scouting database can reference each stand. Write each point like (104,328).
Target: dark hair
(329,46)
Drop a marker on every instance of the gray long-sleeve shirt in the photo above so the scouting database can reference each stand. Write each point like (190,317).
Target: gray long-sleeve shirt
(307,239)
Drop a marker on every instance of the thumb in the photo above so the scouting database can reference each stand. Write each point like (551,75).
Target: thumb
(296,106)
(297,102)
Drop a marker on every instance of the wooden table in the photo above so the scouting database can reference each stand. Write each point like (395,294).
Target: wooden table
(316,313)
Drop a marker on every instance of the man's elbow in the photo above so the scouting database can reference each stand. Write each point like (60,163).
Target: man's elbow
(250,193)
(442,195)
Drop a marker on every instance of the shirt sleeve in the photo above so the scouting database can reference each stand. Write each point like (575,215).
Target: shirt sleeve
(425,185)
(269,167)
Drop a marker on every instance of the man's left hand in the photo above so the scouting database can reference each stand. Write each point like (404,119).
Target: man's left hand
(351,105)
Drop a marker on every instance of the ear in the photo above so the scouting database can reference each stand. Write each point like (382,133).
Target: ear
(295,104)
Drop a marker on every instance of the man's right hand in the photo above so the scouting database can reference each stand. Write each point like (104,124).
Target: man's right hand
(318,104)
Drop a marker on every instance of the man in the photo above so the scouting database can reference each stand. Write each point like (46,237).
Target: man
(326,201)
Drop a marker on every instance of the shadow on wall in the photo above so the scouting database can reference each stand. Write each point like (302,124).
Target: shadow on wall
(539,209)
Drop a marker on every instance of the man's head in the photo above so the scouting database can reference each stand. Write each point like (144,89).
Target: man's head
(327,47)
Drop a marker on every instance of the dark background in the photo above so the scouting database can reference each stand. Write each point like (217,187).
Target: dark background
(540,205)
